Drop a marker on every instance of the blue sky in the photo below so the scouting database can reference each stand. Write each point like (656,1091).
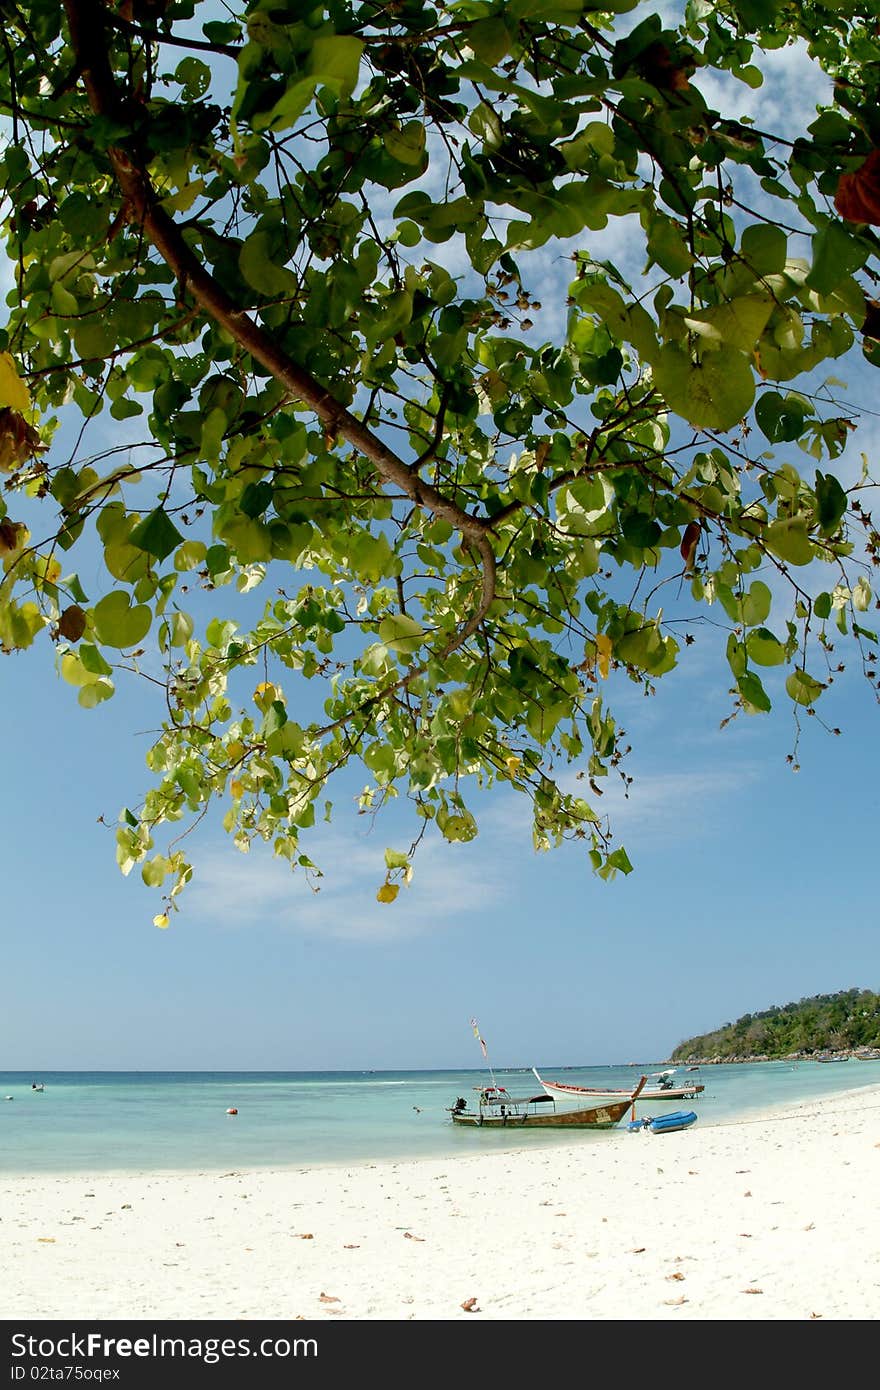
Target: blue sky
(753,885)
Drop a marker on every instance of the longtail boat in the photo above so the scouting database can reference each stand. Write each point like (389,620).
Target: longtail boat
(666,1090)
(498,1109)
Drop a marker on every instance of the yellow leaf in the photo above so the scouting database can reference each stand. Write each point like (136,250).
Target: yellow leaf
(13,391)
(237,789)
(513,765)
(387,893)
(264,695)
(161,920)
(47,570)
(604,649)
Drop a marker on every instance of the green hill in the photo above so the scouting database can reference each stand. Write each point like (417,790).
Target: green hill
(840,1022)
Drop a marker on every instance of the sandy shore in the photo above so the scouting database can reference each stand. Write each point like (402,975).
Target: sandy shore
(756,1220)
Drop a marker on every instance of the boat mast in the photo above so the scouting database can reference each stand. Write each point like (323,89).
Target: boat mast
(480,1040)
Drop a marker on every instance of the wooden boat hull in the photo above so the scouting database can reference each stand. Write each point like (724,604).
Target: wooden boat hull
(561,1090)
(598,1117)
(497,1109)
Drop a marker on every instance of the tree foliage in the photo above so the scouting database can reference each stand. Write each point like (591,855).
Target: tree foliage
(822,1023)
(277,327)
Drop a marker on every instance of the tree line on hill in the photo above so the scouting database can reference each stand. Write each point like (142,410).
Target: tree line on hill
(842,1022)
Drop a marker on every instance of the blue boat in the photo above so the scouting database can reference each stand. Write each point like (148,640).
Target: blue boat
(665,1124)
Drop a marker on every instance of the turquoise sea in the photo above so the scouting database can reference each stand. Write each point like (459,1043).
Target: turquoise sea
(153,1121)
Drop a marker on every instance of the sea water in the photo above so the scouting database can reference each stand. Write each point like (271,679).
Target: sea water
(160,1121)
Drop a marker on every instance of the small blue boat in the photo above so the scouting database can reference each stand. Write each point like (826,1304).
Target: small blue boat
(665,1124)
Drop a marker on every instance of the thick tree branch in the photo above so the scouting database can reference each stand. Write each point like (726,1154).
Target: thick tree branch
(126,26)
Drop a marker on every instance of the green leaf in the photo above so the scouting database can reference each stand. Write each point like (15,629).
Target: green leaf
(92,660)
(736,657)
(335,62)
(95,693)
(789,540)
(756,604)
(639,529)
(154,871)
(764,248)
(753,693)
(190,555)
(156,535)
(781,418)
(221,31)
(667,245)
(19,625)
(406,144)
(764,649)
(803,689)
(256,498)
(396,859)
(617,862)
(260,271)
(737,324)
(714,393)
(394,313)
(117,623)
(461,827)
(289,107)
(401,633)
(647,650)
(837,252)
(183,199)
(194,76)
(831,501)
(489,39)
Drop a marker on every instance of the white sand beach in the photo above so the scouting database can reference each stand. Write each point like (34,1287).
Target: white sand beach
(764,1219)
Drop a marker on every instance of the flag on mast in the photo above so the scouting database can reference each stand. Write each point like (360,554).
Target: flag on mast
(478,1037)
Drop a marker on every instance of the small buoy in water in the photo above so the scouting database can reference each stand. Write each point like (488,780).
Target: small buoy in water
(232,1110)
(9,1097)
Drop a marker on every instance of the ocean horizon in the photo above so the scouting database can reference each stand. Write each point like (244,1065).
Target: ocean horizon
(153,1121)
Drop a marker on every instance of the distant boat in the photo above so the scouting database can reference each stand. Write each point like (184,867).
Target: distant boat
(834,1057)
(497,1109)
(664,1089)
(37,1086)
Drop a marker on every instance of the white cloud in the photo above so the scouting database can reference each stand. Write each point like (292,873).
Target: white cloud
(662,807)
(786,102)
(449,882)
(666,807)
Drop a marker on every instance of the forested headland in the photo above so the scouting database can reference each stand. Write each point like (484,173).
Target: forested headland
(846,1022)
